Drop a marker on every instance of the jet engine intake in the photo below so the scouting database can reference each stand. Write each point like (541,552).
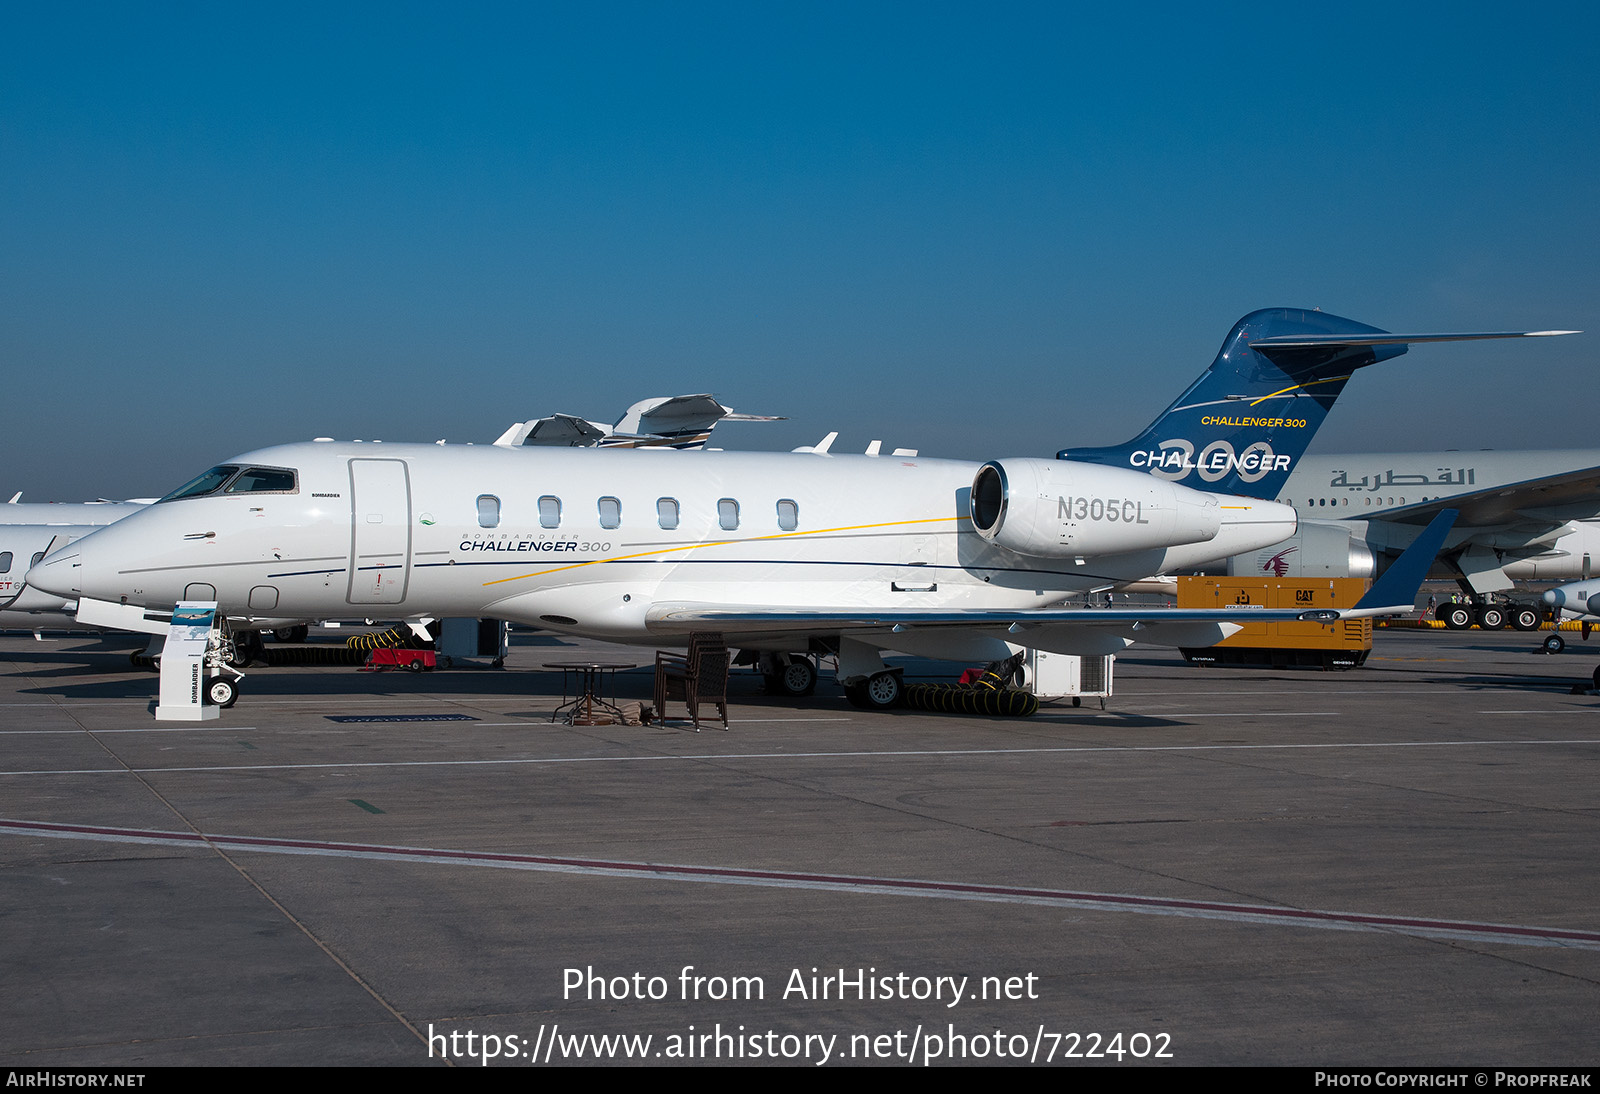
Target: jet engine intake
(1058,509)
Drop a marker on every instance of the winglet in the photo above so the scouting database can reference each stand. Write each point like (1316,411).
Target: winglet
(1395,593)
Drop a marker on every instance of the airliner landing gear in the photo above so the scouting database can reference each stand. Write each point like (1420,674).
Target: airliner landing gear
(1524,618)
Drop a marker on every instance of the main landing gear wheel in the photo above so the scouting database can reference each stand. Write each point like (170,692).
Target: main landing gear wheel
(221,691)
(1554,643)
(1491,617)
(291,634)
(1597,678)
(1456,617)
(1525,618)
(795,679)
(881,691)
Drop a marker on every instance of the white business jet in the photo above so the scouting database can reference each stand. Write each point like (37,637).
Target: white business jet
(785,552)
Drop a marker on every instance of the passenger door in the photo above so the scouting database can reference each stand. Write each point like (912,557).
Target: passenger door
(380,531)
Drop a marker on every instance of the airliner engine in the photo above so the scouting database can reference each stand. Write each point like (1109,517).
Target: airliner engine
(1059,508)
(1316,549)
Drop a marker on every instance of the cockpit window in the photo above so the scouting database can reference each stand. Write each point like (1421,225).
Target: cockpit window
(263,480)
(208,483)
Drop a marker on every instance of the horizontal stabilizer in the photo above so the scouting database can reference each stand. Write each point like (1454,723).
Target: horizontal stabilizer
(1302,341)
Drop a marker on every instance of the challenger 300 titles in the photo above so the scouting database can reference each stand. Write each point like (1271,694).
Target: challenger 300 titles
(1056,509)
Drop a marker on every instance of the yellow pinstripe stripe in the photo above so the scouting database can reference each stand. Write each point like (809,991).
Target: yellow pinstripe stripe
(722,543)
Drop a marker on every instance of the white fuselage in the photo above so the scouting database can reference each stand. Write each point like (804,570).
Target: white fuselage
(1539,539)
(589,540)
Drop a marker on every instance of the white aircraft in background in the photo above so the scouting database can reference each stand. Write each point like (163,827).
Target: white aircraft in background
(781,552)
(675,421)
(1581,601)
(29,531)
(1522,514)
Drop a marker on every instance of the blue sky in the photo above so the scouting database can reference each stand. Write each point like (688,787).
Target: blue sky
(974,230)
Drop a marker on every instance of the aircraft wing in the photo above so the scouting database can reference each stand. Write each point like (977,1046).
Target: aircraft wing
(1509,503)
(680,616)
(1393,593)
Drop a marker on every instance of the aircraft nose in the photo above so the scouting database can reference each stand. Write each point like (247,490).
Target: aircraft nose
(56,572)
(1555,597)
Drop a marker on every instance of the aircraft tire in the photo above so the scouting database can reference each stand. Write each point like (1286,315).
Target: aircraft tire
(222,692)
(1457,617)
(796,679)
(883,691)
(1491,617)
(292,634)
(1524,618)
(1597,678)
(1554,643)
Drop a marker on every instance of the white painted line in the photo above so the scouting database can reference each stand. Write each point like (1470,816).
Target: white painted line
(146,729)
(868,885)
(701,757)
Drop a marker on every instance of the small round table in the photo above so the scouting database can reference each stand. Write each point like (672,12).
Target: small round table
(588,707)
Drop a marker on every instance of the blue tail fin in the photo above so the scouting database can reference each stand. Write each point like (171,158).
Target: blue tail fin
(1240,428)
(1243,424)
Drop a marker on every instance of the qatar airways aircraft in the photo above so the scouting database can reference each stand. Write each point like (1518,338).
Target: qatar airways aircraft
(790,553)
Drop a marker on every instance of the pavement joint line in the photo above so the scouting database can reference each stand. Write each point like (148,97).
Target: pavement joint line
(1423,927)
(887,754)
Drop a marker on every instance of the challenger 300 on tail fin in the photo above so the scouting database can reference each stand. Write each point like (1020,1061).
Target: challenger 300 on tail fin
(1243,426)
(789,553)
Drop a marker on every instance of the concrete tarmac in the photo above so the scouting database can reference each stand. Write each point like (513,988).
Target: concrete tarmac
(1394,865)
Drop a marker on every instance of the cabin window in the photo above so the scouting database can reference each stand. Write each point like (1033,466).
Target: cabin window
(488,511)
(263,480)
(549,512)
(5,562)
(728,514)
(667,513)
(610,512)
(788,515)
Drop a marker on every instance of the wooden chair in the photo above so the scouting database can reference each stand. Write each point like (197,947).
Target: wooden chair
(701,676)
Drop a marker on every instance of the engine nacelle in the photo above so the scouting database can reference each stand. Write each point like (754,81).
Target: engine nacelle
(1316,550)
(1059,508)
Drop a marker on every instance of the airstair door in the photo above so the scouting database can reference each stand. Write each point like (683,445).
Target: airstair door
(380,531)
